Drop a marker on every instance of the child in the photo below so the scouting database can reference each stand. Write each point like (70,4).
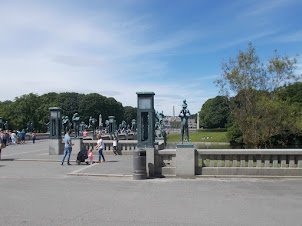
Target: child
(33,135)
(114,144)
(90,156)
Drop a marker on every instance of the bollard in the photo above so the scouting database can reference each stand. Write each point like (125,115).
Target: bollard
(139,164)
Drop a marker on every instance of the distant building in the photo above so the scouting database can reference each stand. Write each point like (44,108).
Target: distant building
(169,119)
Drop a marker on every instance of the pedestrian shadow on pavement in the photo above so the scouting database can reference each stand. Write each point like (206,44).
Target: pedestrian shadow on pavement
(3,160)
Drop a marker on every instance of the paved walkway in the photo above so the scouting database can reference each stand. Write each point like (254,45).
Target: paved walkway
(113,166)
(36,190)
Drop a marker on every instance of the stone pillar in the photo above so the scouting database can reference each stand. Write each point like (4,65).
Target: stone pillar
(78,144)
(185,161)
(56,147)
(198,120)
(150,162)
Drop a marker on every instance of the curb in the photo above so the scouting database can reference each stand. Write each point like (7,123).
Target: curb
(247,176)
(99,175)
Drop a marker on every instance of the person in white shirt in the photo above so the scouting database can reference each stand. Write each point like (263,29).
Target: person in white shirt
(114,144)
(100,147)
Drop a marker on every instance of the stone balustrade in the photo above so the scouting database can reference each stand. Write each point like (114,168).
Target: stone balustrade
(253,162)
(124,147)
(270,162)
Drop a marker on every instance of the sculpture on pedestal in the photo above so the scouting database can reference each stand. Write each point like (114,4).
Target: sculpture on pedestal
(92,124)
(30,127)
(184,115)
(133,125)
(124,126)
(83,126)
(160,122)
(76,124)
(6,125)
(107,125)
(66,124)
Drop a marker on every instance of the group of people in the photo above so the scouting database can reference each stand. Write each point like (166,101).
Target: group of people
(99,147)
(8,137)
(14,137)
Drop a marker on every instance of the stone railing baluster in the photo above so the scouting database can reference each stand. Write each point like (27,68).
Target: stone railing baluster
(242,160)
(299,161)
(283,161)
(211,161)
(234,161)
(250,161)
(291,161)
(267,160)
(258,161)
(275,161)
(227,161)
(219,161)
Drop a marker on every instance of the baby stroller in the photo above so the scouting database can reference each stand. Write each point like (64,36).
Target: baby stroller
(82,156)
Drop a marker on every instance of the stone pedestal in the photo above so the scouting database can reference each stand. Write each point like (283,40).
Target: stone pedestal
(78,144)
(185,160)
(56,147)
(150,162)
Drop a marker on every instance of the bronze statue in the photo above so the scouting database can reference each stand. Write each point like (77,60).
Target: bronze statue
(184,115)
(76,124)
(124,125)
(6,125)
(66,124)
(133,125)
(92,124)
(160,122)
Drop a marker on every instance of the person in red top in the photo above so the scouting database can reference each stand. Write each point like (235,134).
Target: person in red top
(85,133)
(34,136)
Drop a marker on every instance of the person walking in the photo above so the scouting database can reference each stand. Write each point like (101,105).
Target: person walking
(22,136)
(68,147)
(14,137)
(34,136)
(114,144)
(100,147)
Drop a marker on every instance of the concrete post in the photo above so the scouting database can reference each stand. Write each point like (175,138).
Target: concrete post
(56,147)
(198,120)
(185,160)
(150,162)
(78,144)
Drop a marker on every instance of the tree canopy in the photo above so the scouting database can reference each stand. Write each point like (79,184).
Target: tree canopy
(258,110)
(31,108)
(130,113)
(215,113)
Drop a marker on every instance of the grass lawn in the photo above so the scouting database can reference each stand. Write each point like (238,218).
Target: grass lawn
(215,136)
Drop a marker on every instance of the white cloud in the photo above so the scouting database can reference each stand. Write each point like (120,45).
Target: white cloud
(291,37)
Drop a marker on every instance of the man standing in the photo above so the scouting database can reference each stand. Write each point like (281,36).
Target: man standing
(22,136)
(68,147)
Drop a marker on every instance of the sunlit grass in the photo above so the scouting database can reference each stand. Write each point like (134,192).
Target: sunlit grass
(197,137)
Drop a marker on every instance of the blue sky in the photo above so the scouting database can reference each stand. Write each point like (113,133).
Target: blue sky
(118,47)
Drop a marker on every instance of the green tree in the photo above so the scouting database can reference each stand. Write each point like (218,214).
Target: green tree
(93,105)
(130,113)
(69,102)
(255,105)
(116,109)
(291,93)
(24,110)
(46,101)
(215,113)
